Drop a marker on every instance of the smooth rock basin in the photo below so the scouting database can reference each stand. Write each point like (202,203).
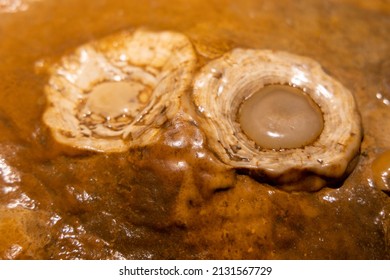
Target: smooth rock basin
(281,117)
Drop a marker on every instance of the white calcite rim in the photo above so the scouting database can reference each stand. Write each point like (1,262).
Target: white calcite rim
(159,65)
(223,84)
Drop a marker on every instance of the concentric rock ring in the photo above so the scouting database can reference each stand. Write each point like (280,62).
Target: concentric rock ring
(114,93)
(223,84)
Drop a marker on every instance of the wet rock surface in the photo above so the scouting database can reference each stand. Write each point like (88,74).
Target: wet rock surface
(175,199)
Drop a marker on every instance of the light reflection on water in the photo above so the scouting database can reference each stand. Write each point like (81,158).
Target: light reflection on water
(23,201)
(11,178)
(329,198)
(7,173)
(14,6)
(382,98)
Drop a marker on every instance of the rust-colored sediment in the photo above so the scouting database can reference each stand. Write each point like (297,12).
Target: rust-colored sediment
(179,201)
